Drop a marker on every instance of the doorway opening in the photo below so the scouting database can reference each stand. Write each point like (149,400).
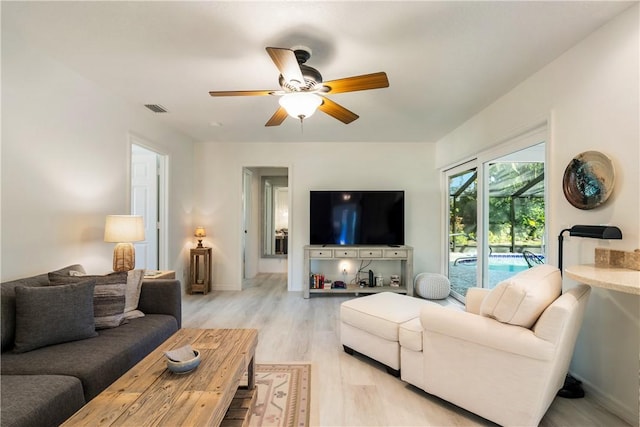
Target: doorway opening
(266,222)
(148,199)
(275,216)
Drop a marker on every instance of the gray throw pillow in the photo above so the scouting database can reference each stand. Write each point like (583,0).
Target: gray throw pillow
(109,296)
(53,314)
(132,296)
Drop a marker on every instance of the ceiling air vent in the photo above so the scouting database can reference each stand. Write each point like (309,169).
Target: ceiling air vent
(156,108)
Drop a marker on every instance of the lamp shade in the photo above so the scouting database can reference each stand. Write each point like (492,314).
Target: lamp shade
(124,228)
(591,231)
(596,231)
(200,232)
(300,105)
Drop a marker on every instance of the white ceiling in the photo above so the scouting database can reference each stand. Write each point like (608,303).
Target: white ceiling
(445,60)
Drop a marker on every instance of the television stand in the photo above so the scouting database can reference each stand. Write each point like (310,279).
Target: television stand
(325,260)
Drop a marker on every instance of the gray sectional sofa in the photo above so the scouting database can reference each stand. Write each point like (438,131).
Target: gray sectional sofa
(46,385)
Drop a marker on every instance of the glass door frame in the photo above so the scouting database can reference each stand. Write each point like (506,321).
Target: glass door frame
(521,140)
(447,174)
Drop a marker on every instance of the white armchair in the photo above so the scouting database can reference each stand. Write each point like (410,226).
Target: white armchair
(506,357)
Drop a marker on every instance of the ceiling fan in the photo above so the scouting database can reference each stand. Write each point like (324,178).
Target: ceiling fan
(303,89)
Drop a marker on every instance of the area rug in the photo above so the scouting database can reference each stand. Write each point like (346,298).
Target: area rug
(284,395)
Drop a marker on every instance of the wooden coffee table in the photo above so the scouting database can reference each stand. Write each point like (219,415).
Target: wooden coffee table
(149,394)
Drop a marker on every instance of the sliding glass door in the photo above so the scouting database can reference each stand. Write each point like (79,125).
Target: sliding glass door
(495,211)
(515,206)
(462,207)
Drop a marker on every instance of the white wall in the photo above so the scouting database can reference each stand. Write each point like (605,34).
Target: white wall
(316,166)
(65,166)
(591,94)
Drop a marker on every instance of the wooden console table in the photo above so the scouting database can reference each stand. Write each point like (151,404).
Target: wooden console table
(149,394)
(384,254)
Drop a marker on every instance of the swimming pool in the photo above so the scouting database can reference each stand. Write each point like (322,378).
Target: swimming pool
(507,267)
(503,262)
(462,271)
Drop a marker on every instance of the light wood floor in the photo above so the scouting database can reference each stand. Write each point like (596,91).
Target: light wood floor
(346,390)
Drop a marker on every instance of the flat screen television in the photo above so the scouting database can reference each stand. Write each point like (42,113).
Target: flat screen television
(356,218)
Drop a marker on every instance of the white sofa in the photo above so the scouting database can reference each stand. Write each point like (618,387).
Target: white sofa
(506,356)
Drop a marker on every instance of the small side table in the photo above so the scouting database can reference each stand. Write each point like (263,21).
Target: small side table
(200,270)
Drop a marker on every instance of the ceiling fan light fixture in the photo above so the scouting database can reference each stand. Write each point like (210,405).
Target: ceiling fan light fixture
(300,105)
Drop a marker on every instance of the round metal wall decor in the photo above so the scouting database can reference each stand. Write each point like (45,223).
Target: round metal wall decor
(588,180)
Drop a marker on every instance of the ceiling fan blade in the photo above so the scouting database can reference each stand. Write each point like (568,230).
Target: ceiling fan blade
(277,118)
(241,92)
(285,60)
(352,84)
(337,111)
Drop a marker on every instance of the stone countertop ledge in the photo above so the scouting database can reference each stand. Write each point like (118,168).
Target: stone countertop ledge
(614,278)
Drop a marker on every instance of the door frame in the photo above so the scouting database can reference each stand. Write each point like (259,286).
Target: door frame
(446,174)
(247,204)
(291,235)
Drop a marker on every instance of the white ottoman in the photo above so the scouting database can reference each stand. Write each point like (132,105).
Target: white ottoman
(432,286)
(370,325)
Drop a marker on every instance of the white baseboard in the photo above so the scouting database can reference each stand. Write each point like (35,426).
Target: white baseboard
(612,404)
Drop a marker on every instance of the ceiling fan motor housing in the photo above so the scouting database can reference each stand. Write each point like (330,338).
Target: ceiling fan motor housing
(312,80)
(302,54)
(312,77)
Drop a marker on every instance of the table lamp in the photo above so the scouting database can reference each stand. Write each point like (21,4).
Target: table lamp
(589,231)
(200,233)
(123,230)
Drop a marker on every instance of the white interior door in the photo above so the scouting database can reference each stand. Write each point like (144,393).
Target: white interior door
(144,202)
